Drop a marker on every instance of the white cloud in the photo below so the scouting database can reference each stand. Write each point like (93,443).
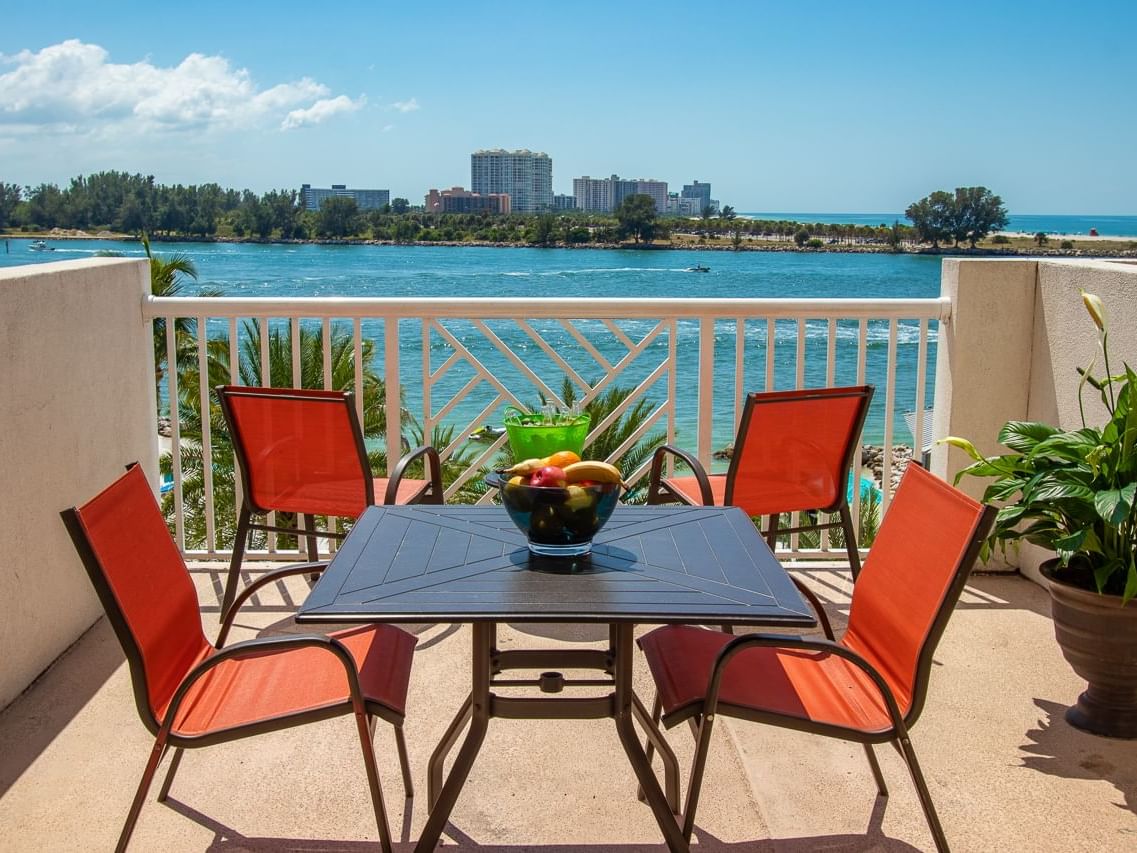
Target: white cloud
(72,87)
(387,128)
(321,111)
(406,106)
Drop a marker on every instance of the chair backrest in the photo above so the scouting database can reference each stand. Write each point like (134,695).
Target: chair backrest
(794,448)
(912,579)
(299,450)
(144,587)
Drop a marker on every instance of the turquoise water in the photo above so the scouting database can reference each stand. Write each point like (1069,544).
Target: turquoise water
(241,269)
(1107,226)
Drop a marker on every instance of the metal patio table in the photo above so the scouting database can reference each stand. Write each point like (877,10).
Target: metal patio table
(649,565)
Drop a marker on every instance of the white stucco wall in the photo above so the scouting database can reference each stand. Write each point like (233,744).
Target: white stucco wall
(1017,333)
(76,404)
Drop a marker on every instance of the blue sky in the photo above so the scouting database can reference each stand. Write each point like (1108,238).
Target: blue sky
(827,106)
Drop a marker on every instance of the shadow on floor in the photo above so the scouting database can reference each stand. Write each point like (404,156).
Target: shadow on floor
(227,839)
(36,718)
(1058,749)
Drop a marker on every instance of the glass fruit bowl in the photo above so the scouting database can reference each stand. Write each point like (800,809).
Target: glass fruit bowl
(559,521)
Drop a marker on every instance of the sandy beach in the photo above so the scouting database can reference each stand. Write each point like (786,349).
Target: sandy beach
(1097,238)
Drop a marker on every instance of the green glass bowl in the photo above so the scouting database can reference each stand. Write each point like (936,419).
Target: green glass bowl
(536,440)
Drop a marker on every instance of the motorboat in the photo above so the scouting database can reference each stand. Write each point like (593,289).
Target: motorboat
(487,433)
(40,246)
(698,268)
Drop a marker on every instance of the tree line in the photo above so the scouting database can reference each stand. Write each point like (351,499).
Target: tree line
(136,204)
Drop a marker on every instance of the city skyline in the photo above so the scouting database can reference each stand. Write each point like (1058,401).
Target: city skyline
(855,109)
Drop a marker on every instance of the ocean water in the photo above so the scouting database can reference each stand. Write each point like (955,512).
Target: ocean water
(1106,226)
(242,269)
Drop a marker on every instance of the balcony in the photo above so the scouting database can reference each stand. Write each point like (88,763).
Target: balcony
(1005,769)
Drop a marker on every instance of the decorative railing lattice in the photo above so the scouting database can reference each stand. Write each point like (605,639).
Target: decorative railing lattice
(681,366)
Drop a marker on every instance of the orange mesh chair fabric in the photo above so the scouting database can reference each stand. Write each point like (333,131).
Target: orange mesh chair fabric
(301,451)
(870,685)
(792,452)
(150,588)
(190,693)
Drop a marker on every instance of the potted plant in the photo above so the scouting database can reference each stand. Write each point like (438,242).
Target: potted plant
(1072,491)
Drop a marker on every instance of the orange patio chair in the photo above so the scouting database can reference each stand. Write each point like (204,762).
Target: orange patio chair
(192,694)
(792,453)
(301,451)
(869,687)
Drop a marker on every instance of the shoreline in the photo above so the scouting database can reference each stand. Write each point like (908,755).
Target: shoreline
(1123,247)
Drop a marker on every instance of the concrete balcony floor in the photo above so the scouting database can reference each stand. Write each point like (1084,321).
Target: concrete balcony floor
(1006,771)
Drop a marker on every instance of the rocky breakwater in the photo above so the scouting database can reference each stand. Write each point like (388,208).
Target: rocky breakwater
(872,459)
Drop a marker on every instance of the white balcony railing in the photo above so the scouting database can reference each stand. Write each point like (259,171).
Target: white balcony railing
(457,362)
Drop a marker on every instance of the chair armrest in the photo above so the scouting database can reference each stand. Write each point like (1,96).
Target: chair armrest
(267,578)
(259,646)
(656,491)
(814,602)
(790,641)
(433,472)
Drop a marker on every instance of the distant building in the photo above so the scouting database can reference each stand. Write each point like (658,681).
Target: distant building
(592,194)
(458,200)
(699,192)
(312,197)
(525,176)
(564,202)
(604,195)
(657,190)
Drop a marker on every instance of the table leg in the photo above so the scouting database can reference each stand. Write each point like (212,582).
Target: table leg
(438,757)
(672,833)
(655,740)
(479,713)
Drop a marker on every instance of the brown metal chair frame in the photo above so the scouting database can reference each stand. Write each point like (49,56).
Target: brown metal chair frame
(661,492)
(365,713)
(702,716)
(432,492)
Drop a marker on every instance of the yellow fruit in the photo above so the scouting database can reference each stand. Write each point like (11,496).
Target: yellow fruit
(590,469)
(517,480)
(578,498)
(526,467)
(562,458)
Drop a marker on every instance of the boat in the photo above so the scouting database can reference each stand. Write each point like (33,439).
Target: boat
(40,246)
(487,433)
(698,268)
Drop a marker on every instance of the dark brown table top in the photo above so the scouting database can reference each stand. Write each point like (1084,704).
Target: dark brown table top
(428,563)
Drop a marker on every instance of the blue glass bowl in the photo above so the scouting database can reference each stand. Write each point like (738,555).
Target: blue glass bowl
(558,521)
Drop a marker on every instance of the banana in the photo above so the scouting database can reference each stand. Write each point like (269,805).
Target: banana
(526,467)
(590,469)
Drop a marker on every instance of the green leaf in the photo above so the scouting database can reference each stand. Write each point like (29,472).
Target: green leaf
(1068,446)
(1115,505)
(1130,582)
(1024,435)
(1073,542)
(1055,490)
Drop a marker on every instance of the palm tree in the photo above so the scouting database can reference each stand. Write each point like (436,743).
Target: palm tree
(374,422)
(166,279)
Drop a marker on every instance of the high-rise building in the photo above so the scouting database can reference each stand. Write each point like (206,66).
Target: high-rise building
(604,195)
(592,194)
(564,202)
(657,190)
(526,176)
(702,192)
(458,200)
(312,197)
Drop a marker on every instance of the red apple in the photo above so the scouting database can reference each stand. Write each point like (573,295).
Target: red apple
(550,475)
